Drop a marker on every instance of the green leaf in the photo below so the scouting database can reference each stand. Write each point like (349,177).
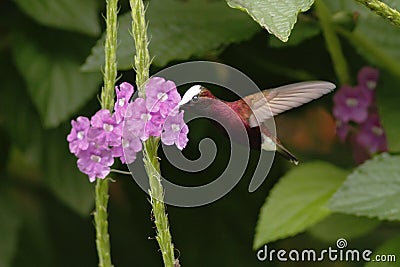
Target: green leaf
(305,29)
(297,201)
(372,190)
(277,16)
(388,249)
(10,223)
(18,114)
(52,74)
(75,15)
(177,31)
(388,94)
(61,174)
(342,226)
(375,38)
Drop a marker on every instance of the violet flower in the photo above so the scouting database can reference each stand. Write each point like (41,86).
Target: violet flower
(175,131)
(95,161)
(105,128)
(128,149)
(161,96)
(77,138)
(154,124)
(371,135)
(136,119)
(120,134)
(351,104)
(358,105)
(368,77)
(124,92)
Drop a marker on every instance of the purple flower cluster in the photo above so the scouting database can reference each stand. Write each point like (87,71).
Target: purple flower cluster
(357,116)
(96,142)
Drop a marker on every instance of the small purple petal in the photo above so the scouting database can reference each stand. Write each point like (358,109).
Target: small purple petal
(367,80)
(95,162)
(368,77)
(130,147)
(182,139)
(371,135)
(175,131)
(161,96)
(154,124)
(136,119)
(111,131)
(351,104)
(124,92)
(77,138)
(127,150)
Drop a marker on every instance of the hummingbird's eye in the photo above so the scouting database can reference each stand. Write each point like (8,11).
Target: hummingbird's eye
(195,98)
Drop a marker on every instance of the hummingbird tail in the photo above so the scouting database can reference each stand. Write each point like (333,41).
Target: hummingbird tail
(286,154)
(271,143)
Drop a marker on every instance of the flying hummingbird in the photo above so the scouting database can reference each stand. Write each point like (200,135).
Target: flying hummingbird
(254,110)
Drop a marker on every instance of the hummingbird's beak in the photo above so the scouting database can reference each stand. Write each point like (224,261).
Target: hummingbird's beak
(192,92)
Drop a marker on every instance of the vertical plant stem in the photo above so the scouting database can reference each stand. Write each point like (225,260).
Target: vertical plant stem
(333,43)
(152,166)
(142,56)
(107,102)
(383,10)
(110,53)
(101,223)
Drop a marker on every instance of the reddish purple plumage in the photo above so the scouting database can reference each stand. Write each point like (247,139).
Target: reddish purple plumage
(222,110)
(254,110)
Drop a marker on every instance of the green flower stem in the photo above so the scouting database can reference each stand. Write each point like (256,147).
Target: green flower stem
(142,56)
(101,224)
(374,51)
(383,10)
(156,192)
(110,51)
(333,43)
(107,102)
(152,166)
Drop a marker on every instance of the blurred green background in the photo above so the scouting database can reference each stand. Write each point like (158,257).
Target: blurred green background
(50,63)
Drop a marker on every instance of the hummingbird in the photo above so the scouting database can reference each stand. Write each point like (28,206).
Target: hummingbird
(256,109)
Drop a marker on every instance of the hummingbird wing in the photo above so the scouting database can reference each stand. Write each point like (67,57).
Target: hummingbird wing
(271,102)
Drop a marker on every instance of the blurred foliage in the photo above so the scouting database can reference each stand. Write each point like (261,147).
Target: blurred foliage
(51,55)
(306,192)
(372,190)
(178,37)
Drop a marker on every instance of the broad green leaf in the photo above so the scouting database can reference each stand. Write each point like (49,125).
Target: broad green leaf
(389,254)
(342,226)
(277,16)
(305,29)
(10,221)
(178,30)
(19,116)
(75,15)
(372,190)
(297,201)
(374,37)
(388,94)
(52,74)
(61,174)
